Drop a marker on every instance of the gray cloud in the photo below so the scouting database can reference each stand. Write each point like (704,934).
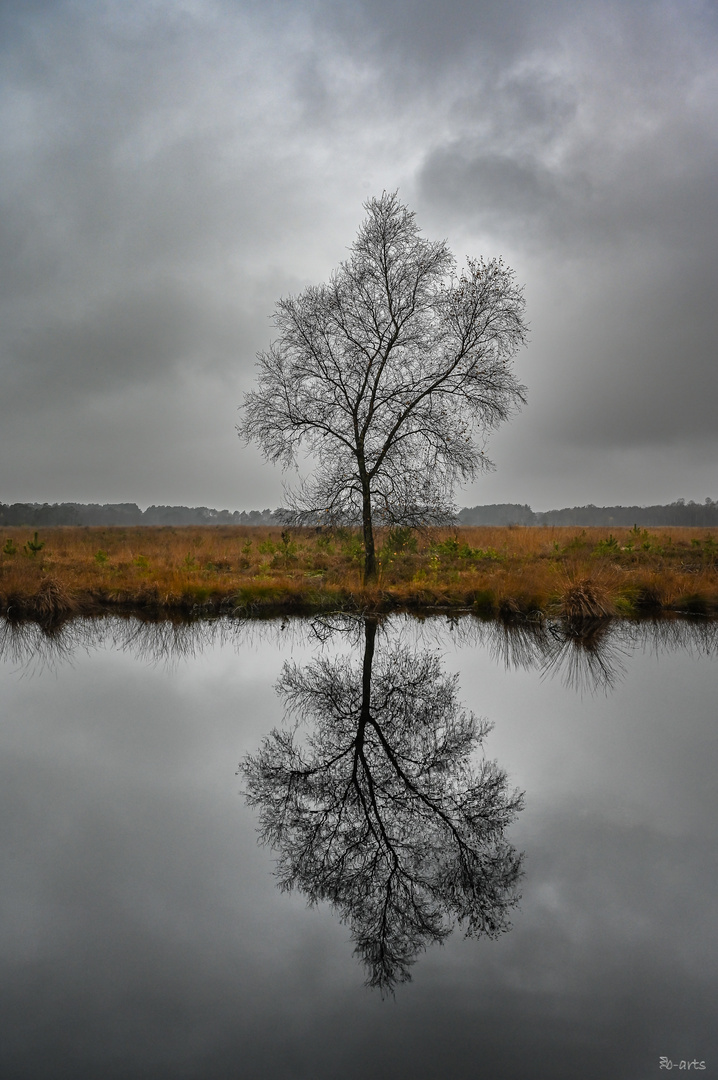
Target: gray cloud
(170,170)
(607,185)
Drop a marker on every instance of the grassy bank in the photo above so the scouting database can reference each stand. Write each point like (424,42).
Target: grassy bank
(562,571)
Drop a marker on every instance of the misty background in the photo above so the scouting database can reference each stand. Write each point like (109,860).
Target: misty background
(171,167)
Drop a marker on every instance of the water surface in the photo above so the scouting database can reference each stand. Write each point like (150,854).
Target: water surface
(142,930)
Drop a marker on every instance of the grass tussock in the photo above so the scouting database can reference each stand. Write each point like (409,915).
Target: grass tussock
(580,573)
(586,598)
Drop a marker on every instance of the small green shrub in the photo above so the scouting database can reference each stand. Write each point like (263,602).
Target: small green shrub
(484,601)
(353,547)
(709,550)
(452,548)
(576,543)
(693,603)
(32,547)
(288,549)
(9,548)
(101,556)
(245,560)
(608,546)
(219,566)
(449,548)
(489,554)
(401,539)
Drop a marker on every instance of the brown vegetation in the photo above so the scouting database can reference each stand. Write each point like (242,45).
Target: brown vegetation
(514,570)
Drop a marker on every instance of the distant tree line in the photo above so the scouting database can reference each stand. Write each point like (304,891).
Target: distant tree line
(38,514)
(675,513)
(48,514)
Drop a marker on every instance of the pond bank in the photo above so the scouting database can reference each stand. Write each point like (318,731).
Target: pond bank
(566,572)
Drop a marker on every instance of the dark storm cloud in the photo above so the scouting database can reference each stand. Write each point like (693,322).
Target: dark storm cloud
(169,170)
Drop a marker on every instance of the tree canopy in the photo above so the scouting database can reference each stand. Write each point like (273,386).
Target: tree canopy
(389,376)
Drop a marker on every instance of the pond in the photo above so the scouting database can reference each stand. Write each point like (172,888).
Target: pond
(239,849)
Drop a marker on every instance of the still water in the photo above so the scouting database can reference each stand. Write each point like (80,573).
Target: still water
(554,794)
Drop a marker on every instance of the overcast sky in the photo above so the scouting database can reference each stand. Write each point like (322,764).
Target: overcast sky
(170,168)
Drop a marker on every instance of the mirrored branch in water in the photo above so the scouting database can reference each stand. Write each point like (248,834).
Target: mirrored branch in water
(381,809)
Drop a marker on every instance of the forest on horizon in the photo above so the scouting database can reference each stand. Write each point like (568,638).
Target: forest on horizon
(37,515)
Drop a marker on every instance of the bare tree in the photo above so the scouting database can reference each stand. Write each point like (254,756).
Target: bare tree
(390,377)
(381,810)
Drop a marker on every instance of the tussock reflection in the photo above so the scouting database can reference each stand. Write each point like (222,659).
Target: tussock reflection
(28,644)
(162,642)
(381,809)
(588,655)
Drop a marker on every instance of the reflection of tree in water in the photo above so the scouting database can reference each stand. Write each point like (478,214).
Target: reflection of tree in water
(381,811)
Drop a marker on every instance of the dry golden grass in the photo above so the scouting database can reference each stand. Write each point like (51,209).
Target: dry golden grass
(566,571)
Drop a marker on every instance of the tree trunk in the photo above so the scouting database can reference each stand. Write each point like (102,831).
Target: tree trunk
(370,625)
(369,552)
